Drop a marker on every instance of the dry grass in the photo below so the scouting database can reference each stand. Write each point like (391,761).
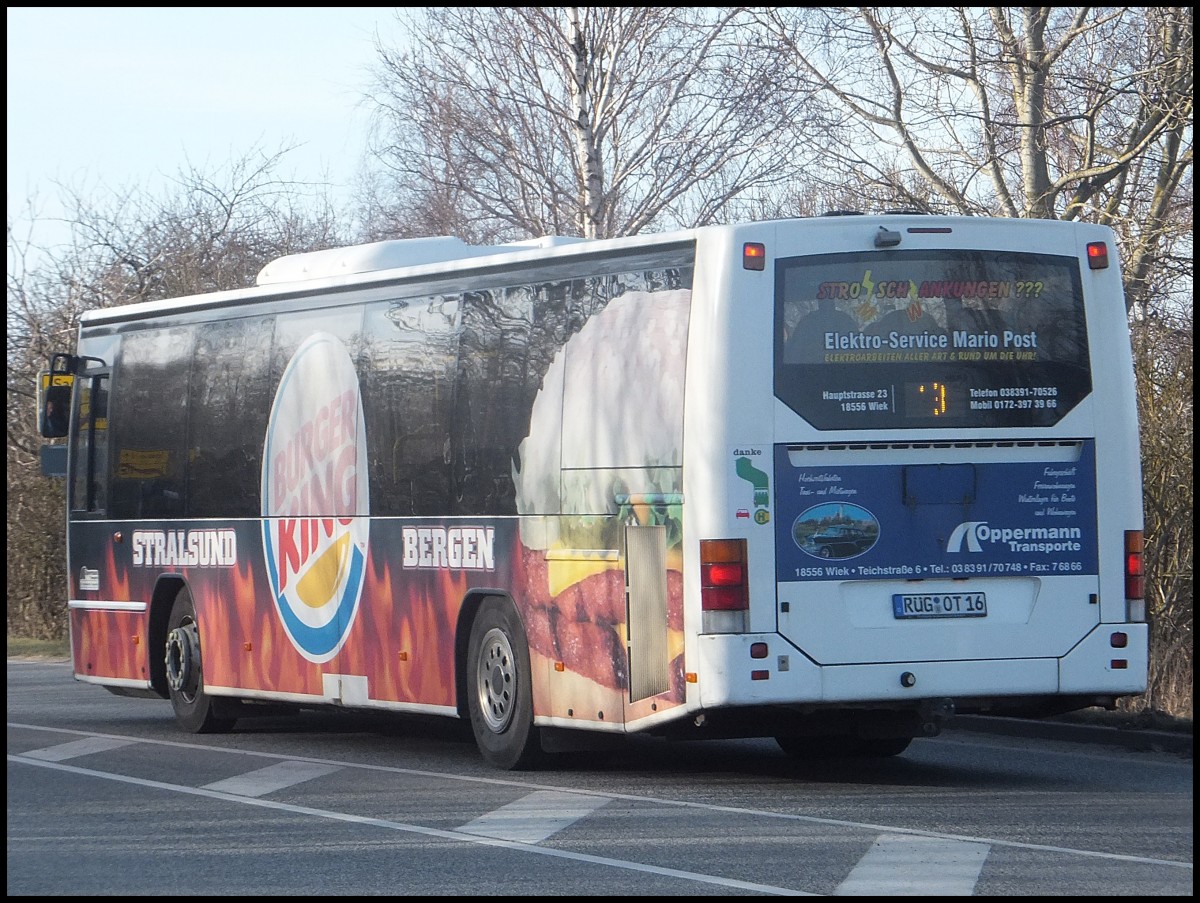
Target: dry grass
(47,650)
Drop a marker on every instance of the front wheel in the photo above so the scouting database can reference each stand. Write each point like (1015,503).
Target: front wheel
(195,710)
(499,687)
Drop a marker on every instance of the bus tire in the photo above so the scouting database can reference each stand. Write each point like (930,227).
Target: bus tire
(500,688)
(195,710)
(842,747)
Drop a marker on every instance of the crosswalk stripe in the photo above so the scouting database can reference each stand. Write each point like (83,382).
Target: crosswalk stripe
(906,866)
(533,818)
(62,751)
(271,778)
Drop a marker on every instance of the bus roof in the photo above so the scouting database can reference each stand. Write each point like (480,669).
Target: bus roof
(390,255)
(299,275)
(384,261)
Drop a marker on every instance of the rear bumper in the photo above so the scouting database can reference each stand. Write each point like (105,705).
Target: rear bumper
(730,676)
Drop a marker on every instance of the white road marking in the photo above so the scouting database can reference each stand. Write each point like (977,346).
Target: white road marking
(533,818)
(456,836)
(904,866)
(64,751)
(272,778)
(637,798)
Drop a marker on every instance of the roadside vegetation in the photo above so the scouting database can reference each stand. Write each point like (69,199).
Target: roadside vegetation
(32,649)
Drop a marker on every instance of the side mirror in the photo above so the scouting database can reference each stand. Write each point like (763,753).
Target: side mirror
(54,403)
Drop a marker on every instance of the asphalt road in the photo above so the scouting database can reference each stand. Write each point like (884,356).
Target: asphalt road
(1122,732)
(107,796)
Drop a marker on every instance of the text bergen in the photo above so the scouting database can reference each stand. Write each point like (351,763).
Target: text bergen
(469,548)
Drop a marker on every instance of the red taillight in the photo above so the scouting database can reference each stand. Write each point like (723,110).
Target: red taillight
(1135,573)
(754,256)
(723,575)
(1097,255)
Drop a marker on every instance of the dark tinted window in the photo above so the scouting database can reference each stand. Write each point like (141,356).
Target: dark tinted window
(291,331)
(499,371)
(510,336)
(149,423)
(231,391)
(408,365)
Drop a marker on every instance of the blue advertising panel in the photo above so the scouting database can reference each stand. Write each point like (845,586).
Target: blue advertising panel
(914,521)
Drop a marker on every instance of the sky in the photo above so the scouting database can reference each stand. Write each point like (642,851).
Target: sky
(113,97)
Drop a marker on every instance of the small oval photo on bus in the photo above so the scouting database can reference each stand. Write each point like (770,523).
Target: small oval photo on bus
(835,530)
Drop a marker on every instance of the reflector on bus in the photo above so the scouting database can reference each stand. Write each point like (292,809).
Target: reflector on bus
(1097,254)
(754,255)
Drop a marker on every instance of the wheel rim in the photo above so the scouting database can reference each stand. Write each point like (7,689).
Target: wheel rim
(183,660)
(496,680)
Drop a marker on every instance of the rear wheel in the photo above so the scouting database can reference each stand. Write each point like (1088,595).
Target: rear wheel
(195,710)
(842,747)
(499,687)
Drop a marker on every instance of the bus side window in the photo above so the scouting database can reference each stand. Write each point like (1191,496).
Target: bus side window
(149,432)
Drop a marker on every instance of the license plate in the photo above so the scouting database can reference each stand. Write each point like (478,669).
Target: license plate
(939,605)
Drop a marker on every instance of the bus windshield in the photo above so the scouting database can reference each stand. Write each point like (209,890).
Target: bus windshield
(904,339)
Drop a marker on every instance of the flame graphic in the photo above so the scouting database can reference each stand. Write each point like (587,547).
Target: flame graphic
(109,643)
(403,640)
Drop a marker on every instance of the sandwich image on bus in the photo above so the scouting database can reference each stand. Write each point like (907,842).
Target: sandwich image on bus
(829,480)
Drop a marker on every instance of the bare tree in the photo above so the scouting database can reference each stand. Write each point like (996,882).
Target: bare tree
(590,121)
(1045,112)
(1165,363)
(212,232)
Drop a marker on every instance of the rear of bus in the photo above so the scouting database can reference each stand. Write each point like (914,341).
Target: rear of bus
(912,473)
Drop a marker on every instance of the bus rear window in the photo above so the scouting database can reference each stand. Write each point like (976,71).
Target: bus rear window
(925,339)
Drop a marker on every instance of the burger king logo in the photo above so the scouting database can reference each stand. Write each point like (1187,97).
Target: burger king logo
(315,501)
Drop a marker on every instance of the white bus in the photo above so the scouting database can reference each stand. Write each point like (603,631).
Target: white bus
(828,480)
